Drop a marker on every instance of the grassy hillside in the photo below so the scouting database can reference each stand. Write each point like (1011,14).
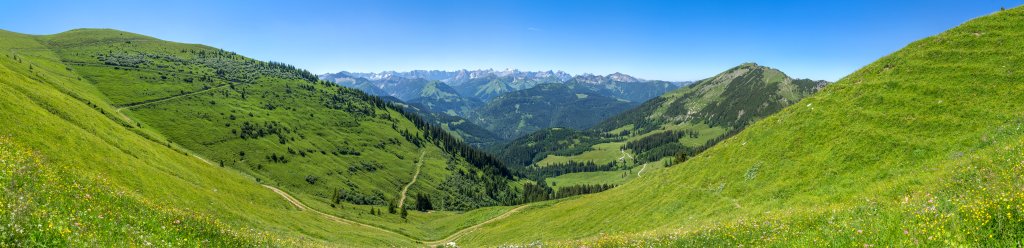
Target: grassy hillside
(271,121)
(922,147)
(174,142)
(75,173)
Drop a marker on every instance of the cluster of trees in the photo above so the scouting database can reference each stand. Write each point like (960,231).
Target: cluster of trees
(564,142)
(410,136)
(660,145)
(121,59)
(658,139)
(233,67)
(536,192)
(273,157)
(367,166)
(423,203)
(541,192)
(538,173)
(357,198)
(467,189)
(684,154)
(250,130)
(345,151)
(582,189)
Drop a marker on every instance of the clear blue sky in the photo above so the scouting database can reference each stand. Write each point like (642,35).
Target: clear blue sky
(669,40)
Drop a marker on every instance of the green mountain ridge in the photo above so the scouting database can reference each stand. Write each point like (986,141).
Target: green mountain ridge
(678,124)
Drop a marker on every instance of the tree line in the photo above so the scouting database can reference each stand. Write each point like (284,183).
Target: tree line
(541,192)
(658,139)
(538,173)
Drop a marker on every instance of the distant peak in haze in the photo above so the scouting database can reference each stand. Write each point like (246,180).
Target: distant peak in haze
(464,75)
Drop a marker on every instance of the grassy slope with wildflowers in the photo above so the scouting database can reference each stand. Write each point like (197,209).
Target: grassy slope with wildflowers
(923,146)
(77,173)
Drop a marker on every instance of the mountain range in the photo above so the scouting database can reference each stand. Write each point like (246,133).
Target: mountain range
(476,95)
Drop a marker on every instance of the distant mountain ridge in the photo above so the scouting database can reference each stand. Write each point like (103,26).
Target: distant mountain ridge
(457,77)
(470,94)
(680,123)
(489,83)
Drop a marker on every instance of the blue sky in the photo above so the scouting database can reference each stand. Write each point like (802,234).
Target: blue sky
(669,40)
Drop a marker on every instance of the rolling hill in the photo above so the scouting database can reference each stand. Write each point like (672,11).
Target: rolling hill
(921,147)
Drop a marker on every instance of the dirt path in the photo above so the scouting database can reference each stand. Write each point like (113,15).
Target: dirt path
(624,155)
(302,207)
(419,163)
(464,231)
(288,197)
(458,234)
(641,170)
(135,105)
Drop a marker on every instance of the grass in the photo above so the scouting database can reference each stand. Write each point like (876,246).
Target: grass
(77,142)
(43,206)
(920,147)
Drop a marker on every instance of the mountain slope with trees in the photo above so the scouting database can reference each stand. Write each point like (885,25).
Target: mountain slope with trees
(678,124)
(277,123)
(75,172)
(548,105)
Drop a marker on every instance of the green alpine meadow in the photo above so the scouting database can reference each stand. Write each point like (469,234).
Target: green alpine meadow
(512,124)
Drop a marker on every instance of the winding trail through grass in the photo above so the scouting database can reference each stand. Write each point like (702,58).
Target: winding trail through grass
(302,207)
(464,231)
(457,234)
(159,100)
(624,155)
(419,163)
(641,170)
